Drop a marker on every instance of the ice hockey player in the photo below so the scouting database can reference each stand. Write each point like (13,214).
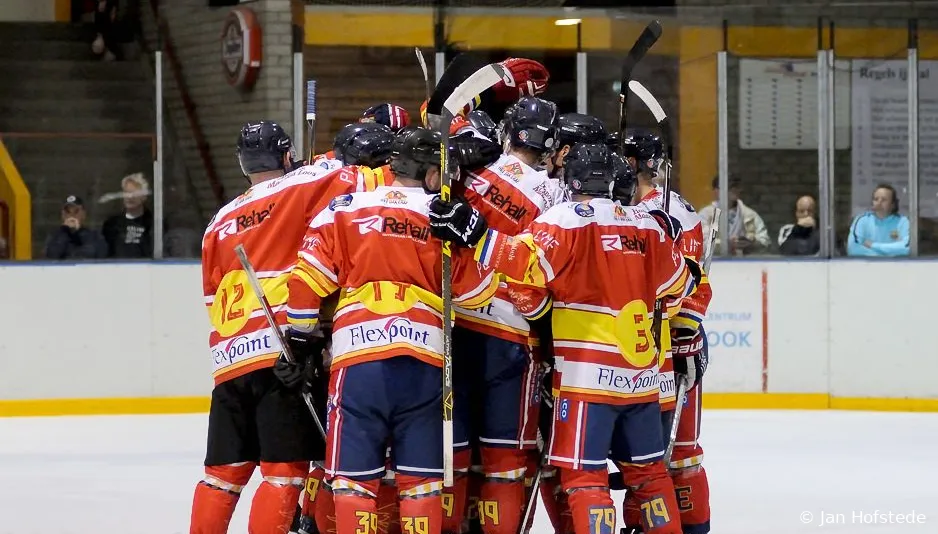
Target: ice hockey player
(254,418)
(495,370)
(367,147)
(391,115)
(604,265)
(385,374)
(574,128)
(687,341)
(360,143)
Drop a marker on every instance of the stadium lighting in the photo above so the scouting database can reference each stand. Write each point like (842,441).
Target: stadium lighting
(567,22)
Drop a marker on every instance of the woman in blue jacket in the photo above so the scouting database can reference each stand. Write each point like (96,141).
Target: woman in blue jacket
(882,231)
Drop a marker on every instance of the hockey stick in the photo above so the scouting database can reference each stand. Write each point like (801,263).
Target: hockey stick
(311,118)
(643,44)
(682,387)
(269,313)
(479,81)
(423,67)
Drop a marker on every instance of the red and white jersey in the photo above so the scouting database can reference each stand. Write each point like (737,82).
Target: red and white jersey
(692,310)
(270,220)
(510,195)
(604,265)
(377,249)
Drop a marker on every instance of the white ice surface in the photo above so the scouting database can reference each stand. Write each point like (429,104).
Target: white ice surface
(136,474)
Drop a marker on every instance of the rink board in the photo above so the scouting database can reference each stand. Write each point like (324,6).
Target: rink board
(132,337)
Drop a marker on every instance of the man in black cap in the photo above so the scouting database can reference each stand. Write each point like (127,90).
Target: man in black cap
(72,240)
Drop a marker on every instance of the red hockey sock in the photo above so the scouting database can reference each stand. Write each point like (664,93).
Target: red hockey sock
(216,496)
(654,495)
(631,514)
(421,504)
(325,510)
(590,503)
(275,501)
(473,492)
(314,486)
(388,509)
(356,509)
(693,499)
(554,500)
(502,497)
(454,498)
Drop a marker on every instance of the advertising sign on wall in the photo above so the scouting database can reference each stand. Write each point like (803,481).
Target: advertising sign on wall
(735,331)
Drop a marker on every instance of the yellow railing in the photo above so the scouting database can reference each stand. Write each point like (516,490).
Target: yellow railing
(17,221)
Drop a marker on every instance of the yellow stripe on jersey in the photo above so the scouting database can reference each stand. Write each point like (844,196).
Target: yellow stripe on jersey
(390,298)
(629,330)
(604,393)
(315,279)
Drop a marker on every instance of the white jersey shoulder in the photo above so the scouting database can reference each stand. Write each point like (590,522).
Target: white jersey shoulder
(679,208)
(326,164)
(533,183)
(599,211)
(410,198)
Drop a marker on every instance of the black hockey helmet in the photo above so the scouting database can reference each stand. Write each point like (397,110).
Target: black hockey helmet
(481,121)
(625,182)
(364,143)
(579,128)
(261,147)
(647,149)
(612,141)
(532,123)
(414,151)
(589,169)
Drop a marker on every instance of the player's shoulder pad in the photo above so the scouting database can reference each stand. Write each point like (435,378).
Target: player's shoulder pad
(683,211)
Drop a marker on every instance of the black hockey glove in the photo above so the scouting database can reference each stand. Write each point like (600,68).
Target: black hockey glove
(456,221)
(307,351)
(689,357)
(669,224)
(472,152)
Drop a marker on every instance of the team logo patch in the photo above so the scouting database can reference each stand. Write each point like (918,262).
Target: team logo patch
(339,201)
(576,185)
(394,197)
(583,210)
(512,170)
(523,136)
(620,213)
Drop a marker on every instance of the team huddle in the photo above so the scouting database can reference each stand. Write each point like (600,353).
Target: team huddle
(563,246)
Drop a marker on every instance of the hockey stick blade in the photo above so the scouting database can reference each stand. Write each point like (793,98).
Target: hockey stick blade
(474,85)
(423,67)
(643,44)
(650,101)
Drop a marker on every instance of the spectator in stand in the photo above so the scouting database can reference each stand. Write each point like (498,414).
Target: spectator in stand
(801,238)
(105,26)
(72,241)
(747,232)
(129,235)
(883,231)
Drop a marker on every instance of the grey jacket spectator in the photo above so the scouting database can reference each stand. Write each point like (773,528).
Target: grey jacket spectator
(801,238)
(72,240)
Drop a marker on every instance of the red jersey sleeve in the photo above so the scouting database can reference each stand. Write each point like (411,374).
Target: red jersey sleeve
(315,275)
(665,265)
